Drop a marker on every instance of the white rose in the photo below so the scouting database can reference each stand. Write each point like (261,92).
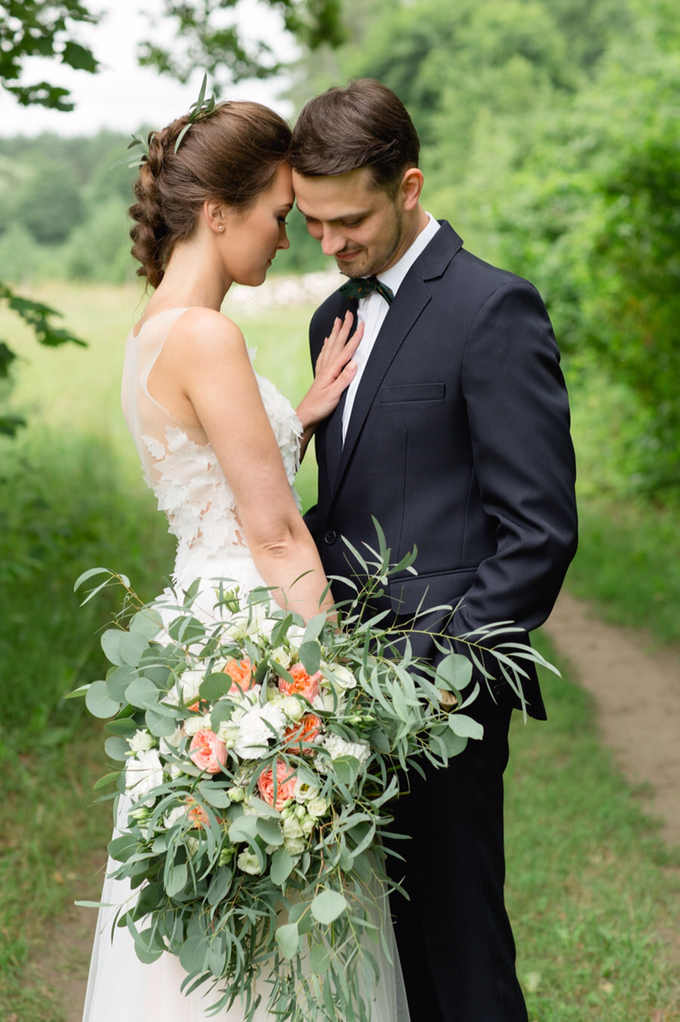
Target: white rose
(236,794)
(141,741)
(293,708)
(188,685)
(249,862)
(308,825)
(195,724)
(254,734)
(281,656)
(317,807)
(142,773)
(340,674)
(305,791)
(292,827)
(295,845)
(337,747)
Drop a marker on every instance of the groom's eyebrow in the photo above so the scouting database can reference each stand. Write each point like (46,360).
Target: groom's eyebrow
(354,215)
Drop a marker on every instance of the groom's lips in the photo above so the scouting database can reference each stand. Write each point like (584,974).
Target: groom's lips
(347,256)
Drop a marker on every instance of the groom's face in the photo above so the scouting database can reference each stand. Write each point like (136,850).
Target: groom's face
(360,225)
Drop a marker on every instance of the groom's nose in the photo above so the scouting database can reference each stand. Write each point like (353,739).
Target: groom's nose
(332,240)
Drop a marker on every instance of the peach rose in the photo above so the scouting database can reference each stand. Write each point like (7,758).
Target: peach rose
(285,785)
(303,684)
(241,673)
(207,751)
(197,814)
(306,730)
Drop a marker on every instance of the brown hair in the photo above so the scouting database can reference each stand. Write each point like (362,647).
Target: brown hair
(364,125)
(230,155)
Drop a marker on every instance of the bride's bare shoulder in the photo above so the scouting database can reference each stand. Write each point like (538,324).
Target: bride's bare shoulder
(206,330)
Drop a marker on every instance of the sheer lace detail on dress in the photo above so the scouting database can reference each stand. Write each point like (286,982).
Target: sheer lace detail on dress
(180,465)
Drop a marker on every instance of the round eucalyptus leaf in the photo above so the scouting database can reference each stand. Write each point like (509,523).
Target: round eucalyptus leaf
(99,702)
(147,622)
(327,906)
(110,642)
(117,748)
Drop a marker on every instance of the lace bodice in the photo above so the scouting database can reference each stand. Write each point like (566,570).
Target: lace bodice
(180,465)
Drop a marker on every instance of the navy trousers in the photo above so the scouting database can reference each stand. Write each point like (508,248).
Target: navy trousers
(455,942)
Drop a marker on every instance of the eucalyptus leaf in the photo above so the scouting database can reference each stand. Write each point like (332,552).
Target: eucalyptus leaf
(215,686)
(288,939)
(281,867)
(310,655)
(270,831)
(118,680)
(193,953)
(143,694)
(117,748)
(214,795)
(99,702)
(454,671)
(176,879)
(123,847)
(147,623)
(346,769)
(328,906)
(159,723)
(219,885)
(464,726)
(319,959)
(243,829)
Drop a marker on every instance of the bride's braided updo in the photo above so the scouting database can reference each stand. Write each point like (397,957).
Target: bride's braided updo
(230,155)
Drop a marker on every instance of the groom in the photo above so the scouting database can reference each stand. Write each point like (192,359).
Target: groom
(454,434)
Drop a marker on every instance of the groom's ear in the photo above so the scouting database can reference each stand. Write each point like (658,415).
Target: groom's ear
(410,188)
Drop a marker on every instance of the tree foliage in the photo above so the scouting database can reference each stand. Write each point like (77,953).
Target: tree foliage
(42,28)
(207,36)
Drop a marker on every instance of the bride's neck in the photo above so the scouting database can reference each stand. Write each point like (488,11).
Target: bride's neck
(194,276)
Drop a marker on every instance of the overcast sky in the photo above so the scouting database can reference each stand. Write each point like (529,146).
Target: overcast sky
(122,95)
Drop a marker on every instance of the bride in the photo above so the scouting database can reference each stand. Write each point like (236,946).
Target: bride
(218,443)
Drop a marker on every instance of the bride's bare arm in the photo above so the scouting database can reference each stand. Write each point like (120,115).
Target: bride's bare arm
(334,371)
(205,364)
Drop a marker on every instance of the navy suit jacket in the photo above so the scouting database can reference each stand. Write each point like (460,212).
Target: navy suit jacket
(458,443)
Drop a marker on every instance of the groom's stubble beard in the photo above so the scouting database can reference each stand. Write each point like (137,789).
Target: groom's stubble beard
(375,259)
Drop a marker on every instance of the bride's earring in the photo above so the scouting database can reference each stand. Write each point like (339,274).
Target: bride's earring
(220,227)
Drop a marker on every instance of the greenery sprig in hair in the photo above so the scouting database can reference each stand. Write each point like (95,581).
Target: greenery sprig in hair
(203,107)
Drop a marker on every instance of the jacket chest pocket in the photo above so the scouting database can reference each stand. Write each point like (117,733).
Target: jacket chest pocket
(408,392)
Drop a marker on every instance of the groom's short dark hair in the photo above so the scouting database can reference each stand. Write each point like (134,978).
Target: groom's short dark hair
(364,125)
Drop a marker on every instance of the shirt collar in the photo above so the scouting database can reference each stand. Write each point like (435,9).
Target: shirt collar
(393,277)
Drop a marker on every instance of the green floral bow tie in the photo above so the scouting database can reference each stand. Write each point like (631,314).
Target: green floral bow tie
(361,287)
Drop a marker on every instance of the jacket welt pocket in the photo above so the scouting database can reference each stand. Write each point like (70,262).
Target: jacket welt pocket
(423,592)
(412,392)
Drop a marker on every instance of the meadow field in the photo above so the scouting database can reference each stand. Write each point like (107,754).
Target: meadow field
(592,892)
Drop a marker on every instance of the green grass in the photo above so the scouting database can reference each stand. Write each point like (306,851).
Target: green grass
(628,563)
(590,889)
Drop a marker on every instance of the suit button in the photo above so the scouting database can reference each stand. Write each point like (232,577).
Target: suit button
(330,537)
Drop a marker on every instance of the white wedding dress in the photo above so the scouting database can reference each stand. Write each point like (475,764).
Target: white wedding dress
(183,471)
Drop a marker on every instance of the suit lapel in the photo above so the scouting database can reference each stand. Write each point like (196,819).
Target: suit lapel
(409,302)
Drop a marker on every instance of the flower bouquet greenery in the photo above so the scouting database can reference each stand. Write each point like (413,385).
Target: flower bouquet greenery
(258,756)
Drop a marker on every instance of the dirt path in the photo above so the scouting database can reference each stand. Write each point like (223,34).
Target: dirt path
(637,694)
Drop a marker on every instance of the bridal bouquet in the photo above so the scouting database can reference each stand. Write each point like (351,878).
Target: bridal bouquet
(257,760)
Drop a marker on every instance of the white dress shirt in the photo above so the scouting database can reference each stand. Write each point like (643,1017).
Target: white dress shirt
(373,309)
